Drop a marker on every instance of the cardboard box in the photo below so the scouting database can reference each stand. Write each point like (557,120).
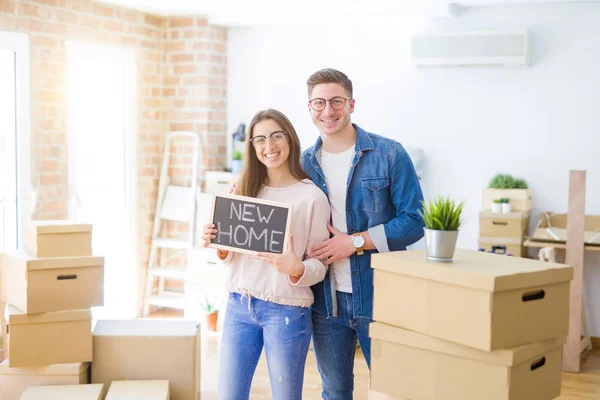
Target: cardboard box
(374,395)
(14,381)
(520,199)
(64,392)
(50,338)
(409,365)
(57,238)
(149,350)
(218,181)
(39,285)
(139,390)
(553,228)
(481,300)
(503,245)
(512,224)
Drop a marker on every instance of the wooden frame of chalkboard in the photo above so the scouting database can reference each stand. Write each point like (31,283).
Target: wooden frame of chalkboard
(250,225)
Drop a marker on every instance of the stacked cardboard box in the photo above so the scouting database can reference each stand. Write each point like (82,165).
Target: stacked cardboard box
(46,293)
(481,327)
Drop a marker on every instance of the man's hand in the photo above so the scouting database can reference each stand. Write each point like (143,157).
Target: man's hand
(336,248)
(285,263)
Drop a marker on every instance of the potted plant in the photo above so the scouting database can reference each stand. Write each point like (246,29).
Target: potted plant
(211,314)
(497,206)
(505,185)
(236,161)
(442,217)
(505,202)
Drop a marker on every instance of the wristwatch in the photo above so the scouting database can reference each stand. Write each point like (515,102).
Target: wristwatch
(358,241)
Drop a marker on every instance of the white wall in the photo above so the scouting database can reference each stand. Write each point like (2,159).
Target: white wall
(536,123)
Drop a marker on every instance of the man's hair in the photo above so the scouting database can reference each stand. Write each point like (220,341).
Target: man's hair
(329,75)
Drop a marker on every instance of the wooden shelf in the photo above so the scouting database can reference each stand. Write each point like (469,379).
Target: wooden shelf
(557,245)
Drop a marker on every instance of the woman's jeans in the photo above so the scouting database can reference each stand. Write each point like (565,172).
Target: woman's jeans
(285,332)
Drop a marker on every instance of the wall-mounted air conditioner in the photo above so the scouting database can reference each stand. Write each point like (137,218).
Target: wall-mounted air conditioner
(505,49)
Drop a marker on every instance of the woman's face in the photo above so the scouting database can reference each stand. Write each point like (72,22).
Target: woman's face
(271,144)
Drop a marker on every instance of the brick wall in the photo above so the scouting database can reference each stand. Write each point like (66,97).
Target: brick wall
(181,85)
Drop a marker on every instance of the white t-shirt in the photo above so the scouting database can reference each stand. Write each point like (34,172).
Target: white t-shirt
(336,168)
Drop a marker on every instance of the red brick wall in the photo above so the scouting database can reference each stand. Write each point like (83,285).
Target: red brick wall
(181,85)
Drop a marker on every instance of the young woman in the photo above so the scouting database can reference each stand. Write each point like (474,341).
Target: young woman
(270,293)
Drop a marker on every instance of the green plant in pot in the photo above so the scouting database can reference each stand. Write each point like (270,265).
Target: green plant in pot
(497,206)
(211,313)
(505,204)
(442,217)
(236,161)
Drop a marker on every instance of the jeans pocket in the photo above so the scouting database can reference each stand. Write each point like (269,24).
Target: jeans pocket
(375,194)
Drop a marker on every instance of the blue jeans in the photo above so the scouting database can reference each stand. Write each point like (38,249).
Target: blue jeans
(334,340)
(284,331)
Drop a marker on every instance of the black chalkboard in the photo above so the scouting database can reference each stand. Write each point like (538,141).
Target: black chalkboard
(250,225)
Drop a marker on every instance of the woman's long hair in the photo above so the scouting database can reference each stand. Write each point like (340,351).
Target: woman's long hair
(254,173)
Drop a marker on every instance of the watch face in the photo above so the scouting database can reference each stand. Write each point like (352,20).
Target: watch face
(358,241)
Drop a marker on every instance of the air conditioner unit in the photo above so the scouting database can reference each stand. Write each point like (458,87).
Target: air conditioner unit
(505,49)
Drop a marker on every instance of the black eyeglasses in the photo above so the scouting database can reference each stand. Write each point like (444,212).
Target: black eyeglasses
(337,103)
(276,137)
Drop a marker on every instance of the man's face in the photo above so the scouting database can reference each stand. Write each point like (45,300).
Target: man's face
(329,120)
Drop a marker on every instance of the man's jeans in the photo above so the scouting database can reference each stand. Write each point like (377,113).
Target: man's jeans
(334,341)
(285,332)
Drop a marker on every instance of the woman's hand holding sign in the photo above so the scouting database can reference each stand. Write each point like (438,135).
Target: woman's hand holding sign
(286,263)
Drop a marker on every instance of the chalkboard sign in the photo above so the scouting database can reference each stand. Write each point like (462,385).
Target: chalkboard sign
(249,225)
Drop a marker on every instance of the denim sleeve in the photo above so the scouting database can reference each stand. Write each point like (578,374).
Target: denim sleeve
(407,226)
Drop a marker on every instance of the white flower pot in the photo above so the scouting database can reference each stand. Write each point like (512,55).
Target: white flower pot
(497,207)
(505,208)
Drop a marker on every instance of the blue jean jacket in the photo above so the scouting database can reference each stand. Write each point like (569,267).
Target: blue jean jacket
(383,197)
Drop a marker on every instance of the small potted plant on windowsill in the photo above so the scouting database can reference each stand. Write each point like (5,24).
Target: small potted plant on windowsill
(236,162)
(505,201)
(497,206)
(442,217)
(211,314)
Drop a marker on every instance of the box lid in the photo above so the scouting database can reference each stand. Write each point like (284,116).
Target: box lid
(475,269)
(33,264)
(54,369)
(64,392)
(42,227)
(507,357)
(139,390)
(14,316)
(145,327)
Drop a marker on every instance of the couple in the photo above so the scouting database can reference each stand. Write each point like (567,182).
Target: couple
(354,193)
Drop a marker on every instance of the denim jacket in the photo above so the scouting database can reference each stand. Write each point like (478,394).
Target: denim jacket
(383,197)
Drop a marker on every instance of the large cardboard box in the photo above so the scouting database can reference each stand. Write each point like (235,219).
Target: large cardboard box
(481,300)
(39,285)
(14,381)
(139,390)
(503,245)
(60,337)
(149,350)
(409,365)
(64,392)
(512,224)
(520,199)
(57,238)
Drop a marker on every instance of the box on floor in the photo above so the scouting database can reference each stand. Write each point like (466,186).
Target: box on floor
(14,381)
(139,390)
(409,365)
(64,392)
(482,300)
(149,350)
(59,337)
(39,285)
(57,238)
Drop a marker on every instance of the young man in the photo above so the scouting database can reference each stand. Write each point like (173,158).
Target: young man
(375,196)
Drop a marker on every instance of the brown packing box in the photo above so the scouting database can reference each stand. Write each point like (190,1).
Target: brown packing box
(60,337)
(39,285)
(520,199)
(558,229)
(64,392)
(482,300)
(373,395)
(409,365)
(139,390)
(149,350)
(512,224)
(503,245)
(57,238)
(14,381)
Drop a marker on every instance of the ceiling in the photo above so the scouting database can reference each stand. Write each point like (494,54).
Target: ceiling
(251,12)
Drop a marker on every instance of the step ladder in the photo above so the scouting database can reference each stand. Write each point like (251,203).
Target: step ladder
(174,203)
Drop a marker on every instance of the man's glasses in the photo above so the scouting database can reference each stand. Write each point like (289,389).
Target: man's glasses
(276,137)
(337,103)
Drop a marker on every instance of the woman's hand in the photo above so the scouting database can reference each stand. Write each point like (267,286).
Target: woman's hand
(208,233)
(286,263)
